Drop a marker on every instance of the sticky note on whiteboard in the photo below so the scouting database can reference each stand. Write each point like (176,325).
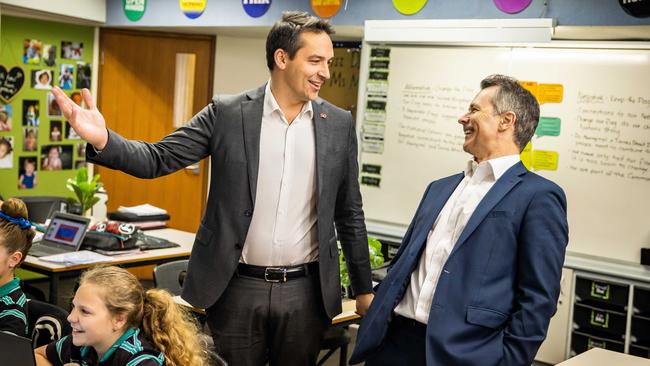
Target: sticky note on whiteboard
(548,126)
(550,93)
(526,156)
(545,160)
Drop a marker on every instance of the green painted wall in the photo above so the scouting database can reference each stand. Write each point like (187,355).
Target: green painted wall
(13,35)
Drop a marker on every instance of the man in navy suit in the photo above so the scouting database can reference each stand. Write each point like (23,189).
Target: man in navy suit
(477,277)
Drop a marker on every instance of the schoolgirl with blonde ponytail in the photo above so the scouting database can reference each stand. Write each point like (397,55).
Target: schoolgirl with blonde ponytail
(115,322)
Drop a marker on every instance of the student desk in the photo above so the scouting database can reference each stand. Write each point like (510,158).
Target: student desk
(602,357)
(56,271)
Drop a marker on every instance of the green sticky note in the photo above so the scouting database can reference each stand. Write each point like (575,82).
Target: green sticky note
(548,126)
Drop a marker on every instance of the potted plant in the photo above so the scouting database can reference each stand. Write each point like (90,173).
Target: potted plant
(85,191)
(376,260)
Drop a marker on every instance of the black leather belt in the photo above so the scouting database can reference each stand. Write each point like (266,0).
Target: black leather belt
(277,274)
(410,324)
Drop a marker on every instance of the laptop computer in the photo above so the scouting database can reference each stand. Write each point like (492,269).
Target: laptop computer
(64,234)
(15,350)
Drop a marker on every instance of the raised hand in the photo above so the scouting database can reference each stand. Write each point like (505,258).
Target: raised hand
(88,123)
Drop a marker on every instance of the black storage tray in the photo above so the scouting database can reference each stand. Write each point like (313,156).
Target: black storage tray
(599,322)
(641,329)
(642,301)
(581,342)
(640,351)
(602,294)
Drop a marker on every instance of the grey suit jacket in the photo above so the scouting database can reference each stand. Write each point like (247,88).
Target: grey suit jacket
(228,131)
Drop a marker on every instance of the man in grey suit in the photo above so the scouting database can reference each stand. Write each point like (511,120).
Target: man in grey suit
(284,177)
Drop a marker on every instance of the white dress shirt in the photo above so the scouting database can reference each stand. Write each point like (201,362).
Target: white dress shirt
(283,228)
(451,221)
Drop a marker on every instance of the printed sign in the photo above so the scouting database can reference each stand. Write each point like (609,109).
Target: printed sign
(326,8)
(192,8)
(256,8)
(134,9)
(409,7)
(512,6)
(10,82)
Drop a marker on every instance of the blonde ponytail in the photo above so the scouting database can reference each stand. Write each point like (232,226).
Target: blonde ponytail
(169,328)
(173,330)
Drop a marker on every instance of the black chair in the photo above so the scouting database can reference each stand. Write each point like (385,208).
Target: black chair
(47,322)
(41,208)
(170,276)
(333,339)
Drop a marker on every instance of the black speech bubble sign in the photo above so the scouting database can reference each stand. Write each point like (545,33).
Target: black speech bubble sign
(10,82)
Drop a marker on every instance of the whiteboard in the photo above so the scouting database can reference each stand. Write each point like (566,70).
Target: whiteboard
(598,151)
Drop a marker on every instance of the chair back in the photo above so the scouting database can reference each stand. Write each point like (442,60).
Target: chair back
(47,322)
(170,276)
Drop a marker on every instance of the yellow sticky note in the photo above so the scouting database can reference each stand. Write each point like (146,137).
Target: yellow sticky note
(550,93)
(531,86)
(545,160)
(526,155)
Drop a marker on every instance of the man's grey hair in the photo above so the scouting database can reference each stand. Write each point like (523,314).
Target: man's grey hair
(512,97)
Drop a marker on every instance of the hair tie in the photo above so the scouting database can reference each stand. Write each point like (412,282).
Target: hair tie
(20,221)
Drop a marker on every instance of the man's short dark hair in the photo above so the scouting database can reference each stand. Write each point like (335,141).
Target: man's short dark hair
(511,96)
(285,33)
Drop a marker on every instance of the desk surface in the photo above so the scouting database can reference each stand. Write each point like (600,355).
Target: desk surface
(185,239)
(602,357)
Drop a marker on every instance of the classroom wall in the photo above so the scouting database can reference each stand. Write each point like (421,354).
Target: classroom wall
(240,64)
(93,10)
(166,13)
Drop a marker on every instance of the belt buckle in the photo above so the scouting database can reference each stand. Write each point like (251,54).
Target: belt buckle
(270,271)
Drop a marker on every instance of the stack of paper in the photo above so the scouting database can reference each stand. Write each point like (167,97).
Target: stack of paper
(143,210)
(76,258)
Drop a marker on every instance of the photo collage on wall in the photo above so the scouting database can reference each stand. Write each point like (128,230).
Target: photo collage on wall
(37,137)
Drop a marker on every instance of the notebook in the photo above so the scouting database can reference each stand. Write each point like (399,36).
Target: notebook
(15,350)
(64,234)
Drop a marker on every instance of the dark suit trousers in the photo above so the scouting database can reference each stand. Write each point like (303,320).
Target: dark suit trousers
(404,344)
(255,322)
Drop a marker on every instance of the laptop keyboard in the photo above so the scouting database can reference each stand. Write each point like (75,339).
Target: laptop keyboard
(43,250)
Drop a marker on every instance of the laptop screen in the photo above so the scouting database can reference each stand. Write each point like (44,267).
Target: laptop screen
(65,231)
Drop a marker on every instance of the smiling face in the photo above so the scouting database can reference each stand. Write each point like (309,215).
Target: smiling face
(488,134)
(92,323)
(306,73)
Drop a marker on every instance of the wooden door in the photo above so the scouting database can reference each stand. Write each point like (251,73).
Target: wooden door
(136,95)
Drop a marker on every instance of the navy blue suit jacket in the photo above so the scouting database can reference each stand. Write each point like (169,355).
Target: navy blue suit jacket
(500,284)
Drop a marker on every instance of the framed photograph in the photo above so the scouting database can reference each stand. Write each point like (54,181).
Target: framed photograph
(56,157)
(49,55)
(53,109)
(65,76)
(70,133)
(30,112)
(6,113)
(72,50)
(81,150)
(30,139)
(32,49)
(80,164)
(42,79)
(84,73)
(55,131)
(76,97)
(27,172)
(6,152)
